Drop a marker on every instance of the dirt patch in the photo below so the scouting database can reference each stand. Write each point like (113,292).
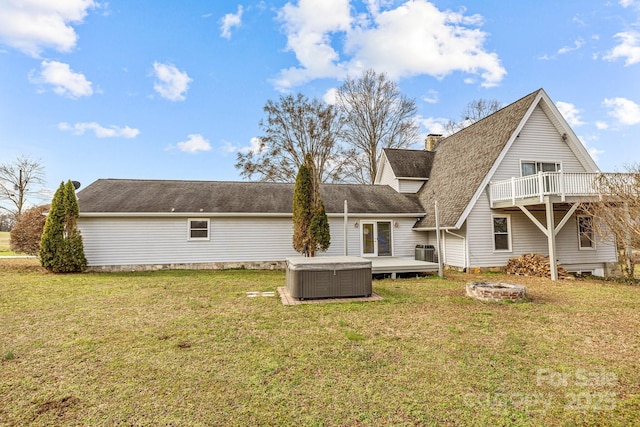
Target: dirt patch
(59,407)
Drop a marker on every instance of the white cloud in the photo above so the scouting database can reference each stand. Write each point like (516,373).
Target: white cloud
(628,3)
(195,143)
(229,21)
(171,83)
(431,97)
(629,48)
(65,82)
(576,45)
(33,25)
(99,130)
(625,111)
(412,39)
(595,153)
(602,125)
(434,125)
(330,97)
(570,113)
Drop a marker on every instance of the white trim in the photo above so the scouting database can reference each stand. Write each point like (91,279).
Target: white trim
(189,229)
(383,162)
(592,239)
(375,237)
(493,233)
(573,142)
(541,161)
(487,179)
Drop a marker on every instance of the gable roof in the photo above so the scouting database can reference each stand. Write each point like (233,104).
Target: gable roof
(463,161)
(409,163)
(131,196)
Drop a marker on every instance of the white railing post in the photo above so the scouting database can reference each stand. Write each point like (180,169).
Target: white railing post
(513,190)
(562,195)
(541,186)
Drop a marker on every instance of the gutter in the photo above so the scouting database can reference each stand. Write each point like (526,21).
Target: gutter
(237,214)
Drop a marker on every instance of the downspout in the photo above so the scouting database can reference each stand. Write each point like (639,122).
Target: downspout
(464,245)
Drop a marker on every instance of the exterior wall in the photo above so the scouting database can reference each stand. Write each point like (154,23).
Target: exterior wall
(163,241)
(538,141)
(387,177)
(409,185)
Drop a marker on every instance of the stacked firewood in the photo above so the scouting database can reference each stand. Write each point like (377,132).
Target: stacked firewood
(533,265)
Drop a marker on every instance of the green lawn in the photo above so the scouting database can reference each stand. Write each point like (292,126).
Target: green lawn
(189,348)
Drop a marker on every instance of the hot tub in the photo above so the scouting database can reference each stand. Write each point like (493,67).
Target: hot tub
(328,277)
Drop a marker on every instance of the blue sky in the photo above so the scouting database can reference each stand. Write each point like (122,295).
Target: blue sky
(173,90)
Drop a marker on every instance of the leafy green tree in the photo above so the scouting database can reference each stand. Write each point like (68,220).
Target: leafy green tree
(319,228)
(310,223)
(61,248)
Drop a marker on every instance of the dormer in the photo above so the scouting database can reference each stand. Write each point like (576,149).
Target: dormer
(404,170)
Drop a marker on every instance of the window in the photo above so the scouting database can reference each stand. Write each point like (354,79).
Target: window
(532,168)
(501,233)
(198,229)
(585,232)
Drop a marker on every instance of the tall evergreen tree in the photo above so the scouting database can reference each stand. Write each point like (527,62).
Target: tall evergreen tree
(310,223)
(61,248)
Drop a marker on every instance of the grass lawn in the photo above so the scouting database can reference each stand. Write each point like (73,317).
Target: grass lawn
(4,243)
(189,348)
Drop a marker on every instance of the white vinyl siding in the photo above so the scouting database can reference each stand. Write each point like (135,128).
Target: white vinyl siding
(409,185)
(540,141)
(140,241)
(388,177)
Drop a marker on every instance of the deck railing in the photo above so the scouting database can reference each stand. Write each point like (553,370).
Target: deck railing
(544,184)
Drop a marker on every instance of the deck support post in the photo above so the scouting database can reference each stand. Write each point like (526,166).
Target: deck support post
(551,236)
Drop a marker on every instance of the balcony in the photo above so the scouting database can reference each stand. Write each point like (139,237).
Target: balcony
(532,189)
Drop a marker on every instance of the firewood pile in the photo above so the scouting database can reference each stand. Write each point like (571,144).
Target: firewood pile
(533,265)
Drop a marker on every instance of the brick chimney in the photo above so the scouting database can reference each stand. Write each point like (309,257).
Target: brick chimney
(432,141)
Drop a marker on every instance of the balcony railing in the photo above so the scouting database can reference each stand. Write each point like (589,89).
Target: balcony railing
(544,184)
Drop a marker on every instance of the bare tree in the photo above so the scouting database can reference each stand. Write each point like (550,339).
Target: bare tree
(376,116)
(475,110)
(617,213)
(295,127)
(18,181)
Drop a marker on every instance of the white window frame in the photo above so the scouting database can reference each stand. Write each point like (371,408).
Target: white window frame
(538,163)
(591,238)
(189,229)
(493,232)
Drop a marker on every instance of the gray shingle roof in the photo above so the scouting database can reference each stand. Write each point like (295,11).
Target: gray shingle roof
(158,196)
(464,159)
(410,163)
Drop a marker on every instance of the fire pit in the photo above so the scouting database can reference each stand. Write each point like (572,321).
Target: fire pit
(493,291)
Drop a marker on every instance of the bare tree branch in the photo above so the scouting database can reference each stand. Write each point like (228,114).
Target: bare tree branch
(18,181)
(376,116)
(295,127)
(618,213)
(475,110)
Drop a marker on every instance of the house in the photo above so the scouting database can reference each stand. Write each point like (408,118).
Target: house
(507,185)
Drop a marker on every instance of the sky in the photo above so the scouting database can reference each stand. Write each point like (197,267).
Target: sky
(160,89)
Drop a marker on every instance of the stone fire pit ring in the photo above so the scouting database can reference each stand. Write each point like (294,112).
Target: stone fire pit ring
(494,291)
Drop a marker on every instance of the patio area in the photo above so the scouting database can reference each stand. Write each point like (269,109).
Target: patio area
(394,265)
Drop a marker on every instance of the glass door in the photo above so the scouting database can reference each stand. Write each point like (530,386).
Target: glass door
(376,238)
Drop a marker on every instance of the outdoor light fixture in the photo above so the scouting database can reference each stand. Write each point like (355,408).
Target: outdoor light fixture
(355,224)
(395,224)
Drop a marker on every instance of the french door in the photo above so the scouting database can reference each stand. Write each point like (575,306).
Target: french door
(376,238)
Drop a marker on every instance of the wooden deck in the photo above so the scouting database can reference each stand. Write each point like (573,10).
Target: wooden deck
(393,265)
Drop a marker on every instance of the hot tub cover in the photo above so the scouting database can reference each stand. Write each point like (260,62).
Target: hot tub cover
(334,263)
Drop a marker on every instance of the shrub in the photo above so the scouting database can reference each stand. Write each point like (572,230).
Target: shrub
(27,231)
